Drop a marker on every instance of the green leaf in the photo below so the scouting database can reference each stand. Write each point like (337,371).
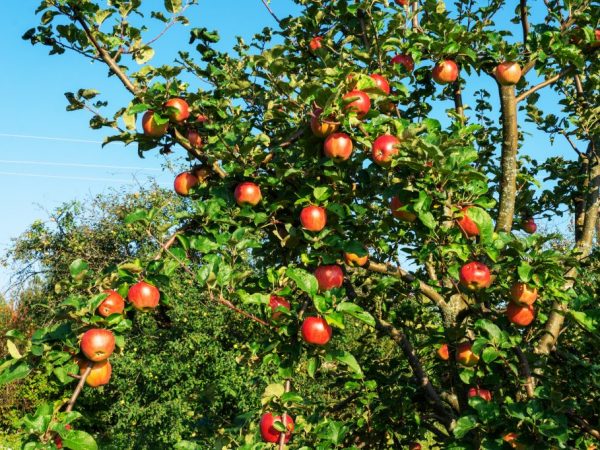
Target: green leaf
(484,223)
(13,350)
(356,312)
(322,193)
(78,268)
(491,329)
(173,6)
(312,366)
(78,440)
(305,281)
(348,359)
(17,370)
(137,216)
(589,319)
(464,425)
(490,354)
(524,270)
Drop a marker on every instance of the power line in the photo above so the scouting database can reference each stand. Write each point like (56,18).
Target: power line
(97,166)
(49,138)
(66,178)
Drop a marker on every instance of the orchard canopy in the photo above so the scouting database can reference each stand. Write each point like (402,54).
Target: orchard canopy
(361,255)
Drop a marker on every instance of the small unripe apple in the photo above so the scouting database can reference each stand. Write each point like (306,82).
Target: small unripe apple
(177,109)
(475,276)
(151,128)
(358,102)
(195,139)
(113,304)
(247,193)
(338,146)
(322,127)
(313,218)
(508,73)
(352,259)
(143,296)
(329,277)
(269,433)
(520,315)
(381,85)
(483,393)
(184,182)
(100,373)
(465,356)
(407,216)
(466,224)
(384,148)
(98,344)
(405,60)
(275,302)
(316,330)
(445,72)
(443,352)
(529,225)
(315,43)
(522,294)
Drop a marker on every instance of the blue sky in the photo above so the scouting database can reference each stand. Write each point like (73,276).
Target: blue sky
(49,156)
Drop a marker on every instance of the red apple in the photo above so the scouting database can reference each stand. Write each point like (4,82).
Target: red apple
(466,224)
(358,102)
(511,439)
(201,118)
(404,3)
(322,127)
(338,146)
(352,259)
(407,216)
(313,218)
(195,139)
(529,225)
(329,277)
(247,193)
(316,330)
(113,304)
(520,315)
(443,352)
(522,294)
(475,276)
(384,148)
(315,43)
(151,128)
(405,60)
(483,393)
(177,109)
(381,85)
(508,73)
(269,433)
(143,296)
(445,72)
(412,445)
(465,356)
(275,302)
(184,182)
(98,344)
(100,373)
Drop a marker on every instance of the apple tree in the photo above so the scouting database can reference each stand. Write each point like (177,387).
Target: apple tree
(362,228)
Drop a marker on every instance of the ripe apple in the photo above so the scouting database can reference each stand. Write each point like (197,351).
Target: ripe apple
(483,393)
(465,356)
(322,127)
(113,304)
(195,139)
(201,118)
(467,225)
(315,43)
(407,216)
(511,439)
(508,73)
(412,445)
(520,315)
(358,102)
(405,60)
(177,109)
(352,259)
(316,330)
(445,72)
(522,294)
(100,373)
(338,146)
(247,193)
(151,128)
(143,296)
(403,3)
(384,148)
(475,276)
(97,344)
(529,225)
(184,182)
(329,277)
(275,302)
(313,218)
(381,85)
(269,433)
(58,440)
(443,352)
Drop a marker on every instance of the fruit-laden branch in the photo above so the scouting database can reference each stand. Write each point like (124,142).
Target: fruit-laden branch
(400,338)
(544,83)
(79,386)
(510,145)
(398,272)
(526,373)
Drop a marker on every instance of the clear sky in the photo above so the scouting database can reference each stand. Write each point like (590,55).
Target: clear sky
(49,156)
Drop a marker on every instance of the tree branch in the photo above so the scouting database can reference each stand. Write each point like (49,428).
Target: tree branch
(526,373)
(524,22)
(543,84)
(79,387)
(271,12)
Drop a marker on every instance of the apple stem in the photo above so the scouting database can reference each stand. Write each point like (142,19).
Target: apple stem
(79,387)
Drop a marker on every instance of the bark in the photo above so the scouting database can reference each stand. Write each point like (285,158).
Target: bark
(510,144)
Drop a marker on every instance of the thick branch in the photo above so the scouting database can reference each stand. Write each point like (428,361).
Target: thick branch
(524,22)
(458,102)
(544,83)
(510,144)
(526,373)
(584,425)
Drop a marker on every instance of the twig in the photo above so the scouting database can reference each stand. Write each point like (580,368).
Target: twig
(79,387)
(271,11)
(584,425)
(524,23)
(543,84)
(172,22)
